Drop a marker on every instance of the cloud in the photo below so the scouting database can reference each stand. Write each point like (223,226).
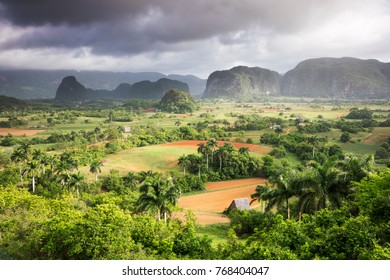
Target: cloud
(192,34)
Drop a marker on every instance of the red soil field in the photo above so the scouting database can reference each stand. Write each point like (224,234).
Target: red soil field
(19,132)
(234,183)
(208,206)
(194,143)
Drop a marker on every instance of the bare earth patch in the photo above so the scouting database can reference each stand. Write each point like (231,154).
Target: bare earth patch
(208,206)
(19,132)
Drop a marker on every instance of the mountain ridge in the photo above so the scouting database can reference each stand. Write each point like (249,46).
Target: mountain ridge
(324,77)
(42,84)
(70,89)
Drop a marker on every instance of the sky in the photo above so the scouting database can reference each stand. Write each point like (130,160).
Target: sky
(188,36)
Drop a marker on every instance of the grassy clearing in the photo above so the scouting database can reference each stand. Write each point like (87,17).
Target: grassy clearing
(217,232)
(157,158)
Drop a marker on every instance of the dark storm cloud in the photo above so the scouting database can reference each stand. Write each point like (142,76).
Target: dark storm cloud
(123,26)
(192,34)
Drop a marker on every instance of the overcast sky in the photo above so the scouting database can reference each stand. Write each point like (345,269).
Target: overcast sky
(188,36)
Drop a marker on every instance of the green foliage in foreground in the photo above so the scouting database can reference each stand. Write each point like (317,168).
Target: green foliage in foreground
(33,227)
(358,230)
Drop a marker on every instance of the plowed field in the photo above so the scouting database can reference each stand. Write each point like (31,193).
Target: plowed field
(208,206)
(19,132)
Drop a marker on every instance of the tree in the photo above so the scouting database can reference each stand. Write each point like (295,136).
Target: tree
(243,151)
(184,162)
(278,130)
(95,168)
(34,169)
(18,156)
(314,142)
(76,183)
(261,195)
(283,188)
(212,144)
(204,150)
(345,137)
(320,187)
(158,194)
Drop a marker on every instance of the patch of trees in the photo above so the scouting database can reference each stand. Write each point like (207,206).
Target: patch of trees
(356,113)
(256,122)
(382,154)
(304,147)
(178,102)
(315,127)
(220,162)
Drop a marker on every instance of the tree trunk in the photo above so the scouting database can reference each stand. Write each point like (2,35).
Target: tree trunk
(288,209)
(33,184)
(20,173)
(313,151)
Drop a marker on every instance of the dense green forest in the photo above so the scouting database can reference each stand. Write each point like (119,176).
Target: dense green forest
(326,193)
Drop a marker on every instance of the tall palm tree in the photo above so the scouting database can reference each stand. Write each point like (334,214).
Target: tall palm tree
(18,157)
(34,169)
(185,162)
(283,188)
(261,195)
(313,140)
(321,187)
(205,151)
(95,168)
(212,144)
(76,183)
(97,131)
(158,194)
(355,168)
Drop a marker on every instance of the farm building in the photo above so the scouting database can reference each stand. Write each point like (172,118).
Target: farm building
(240,204)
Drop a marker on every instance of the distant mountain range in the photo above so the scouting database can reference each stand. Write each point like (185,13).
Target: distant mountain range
(348,78)
(72,90)
(40,84)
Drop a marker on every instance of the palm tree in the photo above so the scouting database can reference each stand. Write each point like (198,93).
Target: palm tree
(50,161)
(204,150)
(18,156)
(355,169)
(282,190)
(95,168)
(212,144)
(131,180)
(158,194)
(62,170)
(76,183)
(243,151)
(97,131)
(261,195)
(313,140)
(185,162)
(321,186)
(34,168)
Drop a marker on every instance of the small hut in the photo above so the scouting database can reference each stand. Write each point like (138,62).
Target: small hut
(240,204)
